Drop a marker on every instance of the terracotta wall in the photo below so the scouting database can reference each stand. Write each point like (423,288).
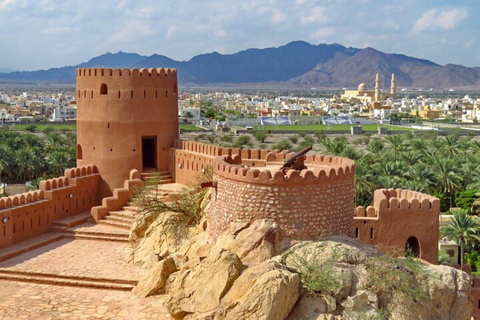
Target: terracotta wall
(476,298)
(30,214)
(396,216)
(111,124)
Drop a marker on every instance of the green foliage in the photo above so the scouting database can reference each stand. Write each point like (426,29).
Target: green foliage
(317,274)
(293,139)
(302,134)
(282,145)
(463,229)
(226,138)
(210,113)
(31,128)
(404,276)
(260,136)
(443,257)
(466,198)
(242,141)
(26,157)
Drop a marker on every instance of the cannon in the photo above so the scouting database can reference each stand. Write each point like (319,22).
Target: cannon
(296,161)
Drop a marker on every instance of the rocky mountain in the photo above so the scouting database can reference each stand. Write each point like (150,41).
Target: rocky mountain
(297,64)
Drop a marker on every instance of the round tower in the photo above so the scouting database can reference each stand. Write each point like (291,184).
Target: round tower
(126,119)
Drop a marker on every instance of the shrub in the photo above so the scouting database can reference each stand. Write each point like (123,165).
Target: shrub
(226,138)
(31,128)
(293,139)
(466,198)
(242,141)
(317,274)
(443,257)
(261,136)
(302,134)
(282,145)
(404,276)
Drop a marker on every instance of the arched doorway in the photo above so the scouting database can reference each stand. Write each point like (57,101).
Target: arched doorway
(103,89)
(413,246)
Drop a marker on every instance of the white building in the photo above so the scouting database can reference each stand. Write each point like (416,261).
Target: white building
(63,114)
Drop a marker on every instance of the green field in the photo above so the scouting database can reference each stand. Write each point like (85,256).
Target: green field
(190,127)
(41,127)
(322,127)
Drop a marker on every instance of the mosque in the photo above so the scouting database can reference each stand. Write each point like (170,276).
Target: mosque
(369,97)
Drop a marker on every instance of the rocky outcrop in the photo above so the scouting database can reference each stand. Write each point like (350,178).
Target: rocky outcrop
(155,239)
(246,275)
(154,281)
(253,242)
(201,288)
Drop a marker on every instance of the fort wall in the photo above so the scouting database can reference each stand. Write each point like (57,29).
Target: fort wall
(119,111)
(29,214)
(400,216)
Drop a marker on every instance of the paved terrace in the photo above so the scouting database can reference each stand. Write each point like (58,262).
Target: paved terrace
(79,270)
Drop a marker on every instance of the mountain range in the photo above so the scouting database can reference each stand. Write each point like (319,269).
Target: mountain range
(297,64)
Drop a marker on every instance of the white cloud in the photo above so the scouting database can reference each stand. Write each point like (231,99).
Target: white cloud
(171,31)
(5,3)
(319,15)
(323,33)
(278,16)
(440,19)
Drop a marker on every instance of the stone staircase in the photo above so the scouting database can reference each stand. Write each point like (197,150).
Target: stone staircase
(165,177)
(67,280)
(122,218)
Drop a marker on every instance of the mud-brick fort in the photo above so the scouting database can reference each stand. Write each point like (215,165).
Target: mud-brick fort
(127,128)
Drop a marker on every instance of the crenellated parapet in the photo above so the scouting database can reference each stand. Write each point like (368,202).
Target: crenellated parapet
(399,219)
(21,199)
(29,214)
(126,72)
(391,201)
(320,169)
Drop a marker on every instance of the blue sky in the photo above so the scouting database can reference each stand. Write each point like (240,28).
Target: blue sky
(38,34)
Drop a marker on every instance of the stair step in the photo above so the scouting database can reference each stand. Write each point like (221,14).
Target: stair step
(123,214)
(70,277)
(119,219)
(74,220)
(98,233)
(130,209)
(95,237)
(64,281)
(120,225)
(166,181)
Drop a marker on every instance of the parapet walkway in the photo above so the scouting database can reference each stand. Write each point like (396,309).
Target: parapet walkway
(79,270)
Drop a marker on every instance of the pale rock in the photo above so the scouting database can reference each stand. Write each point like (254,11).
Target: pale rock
(153,282)
(253,242)
(312,306)
(201,288)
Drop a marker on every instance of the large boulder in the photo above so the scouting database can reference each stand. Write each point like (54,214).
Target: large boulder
(201,287)
(153,282)
(253,242)
(164,236)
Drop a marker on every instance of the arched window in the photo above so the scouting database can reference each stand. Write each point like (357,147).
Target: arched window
(103,89)
(413,247)
(79,152)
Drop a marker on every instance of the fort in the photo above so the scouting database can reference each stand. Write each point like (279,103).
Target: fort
(128,128)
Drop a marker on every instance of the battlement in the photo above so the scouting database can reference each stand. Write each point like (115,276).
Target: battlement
(321,169)
(398,200)
(126,72)
(21,199)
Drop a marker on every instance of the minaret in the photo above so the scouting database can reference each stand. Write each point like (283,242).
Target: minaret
(378,94)
(393,87)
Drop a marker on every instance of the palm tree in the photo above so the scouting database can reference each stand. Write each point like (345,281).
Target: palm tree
(446,173)
(462,229)
(335,146)
(451,146)
(364,185)
(6,159)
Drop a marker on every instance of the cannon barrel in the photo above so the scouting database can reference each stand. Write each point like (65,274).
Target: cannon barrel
(288,162)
